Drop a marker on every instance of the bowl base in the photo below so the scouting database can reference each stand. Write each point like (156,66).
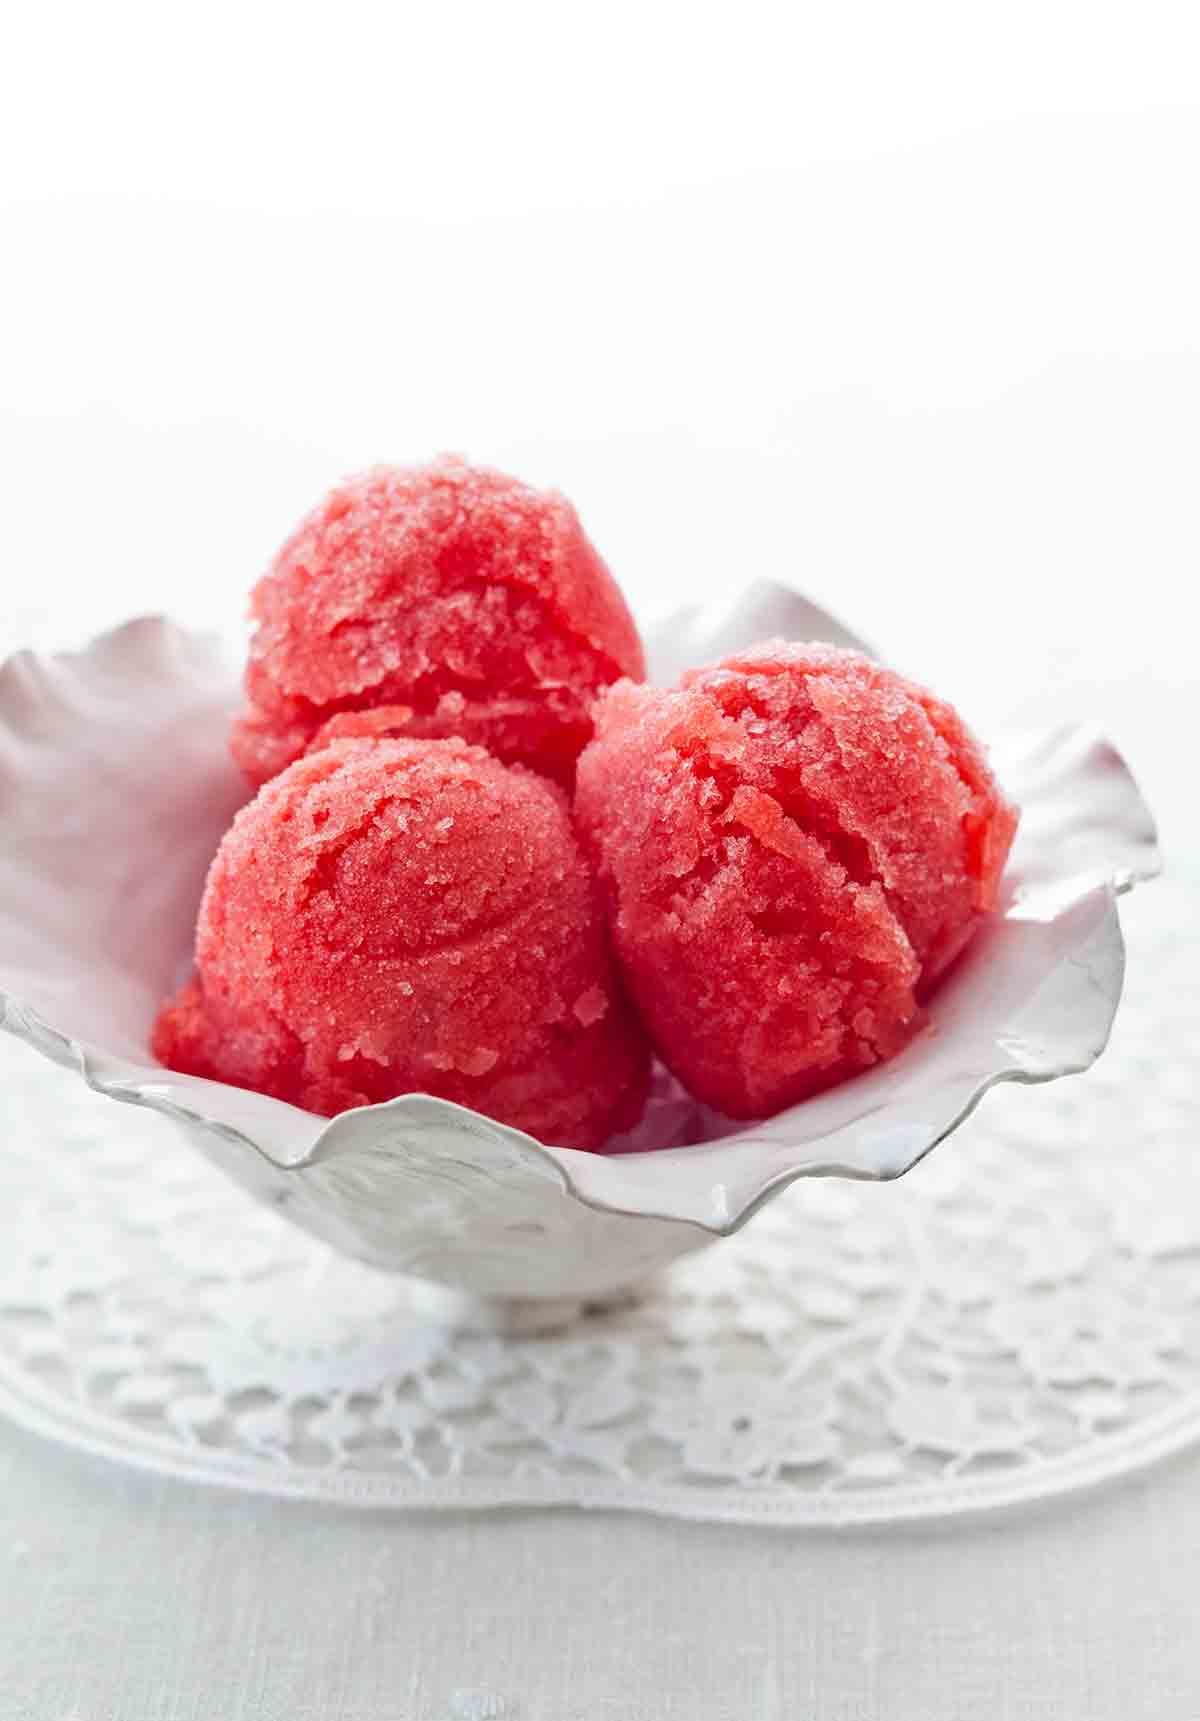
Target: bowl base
(509,1316)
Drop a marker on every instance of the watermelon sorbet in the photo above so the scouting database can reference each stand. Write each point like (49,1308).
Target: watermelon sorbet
(395,916)
(462,602)
(795,845)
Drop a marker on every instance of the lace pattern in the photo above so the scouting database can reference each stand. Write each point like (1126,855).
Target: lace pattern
(1018,1316)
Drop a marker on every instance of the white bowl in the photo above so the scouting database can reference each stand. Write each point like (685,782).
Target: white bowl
(115,787)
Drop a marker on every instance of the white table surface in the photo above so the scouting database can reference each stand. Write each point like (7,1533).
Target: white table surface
(124,1597)
(906,313)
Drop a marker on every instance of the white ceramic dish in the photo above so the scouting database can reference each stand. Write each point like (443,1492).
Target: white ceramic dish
(115,787)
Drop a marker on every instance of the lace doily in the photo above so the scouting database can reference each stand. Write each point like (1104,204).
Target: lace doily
(1017,1317)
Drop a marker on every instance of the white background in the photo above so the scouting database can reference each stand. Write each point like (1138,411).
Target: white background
(901,303)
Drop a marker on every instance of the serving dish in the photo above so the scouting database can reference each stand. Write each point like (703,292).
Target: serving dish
(115,787)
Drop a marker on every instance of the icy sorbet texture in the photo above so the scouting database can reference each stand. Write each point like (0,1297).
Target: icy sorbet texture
(393,916)
(795,844)
(445,600)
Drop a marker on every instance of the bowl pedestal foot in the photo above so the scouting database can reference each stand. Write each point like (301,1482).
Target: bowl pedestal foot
(508,1316)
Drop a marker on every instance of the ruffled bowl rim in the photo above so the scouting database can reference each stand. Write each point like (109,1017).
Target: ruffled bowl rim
(717,1185)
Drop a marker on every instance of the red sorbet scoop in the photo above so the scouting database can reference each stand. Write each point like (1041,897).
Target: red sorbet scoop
(466,597)
(795,844)
(390,917)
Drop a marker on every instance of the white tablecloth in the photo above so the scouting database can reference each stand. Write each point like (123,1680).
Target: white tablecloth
(127,1599)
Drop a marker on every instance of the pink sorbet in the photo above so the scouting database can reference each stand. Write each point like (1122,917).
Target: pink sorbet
(795,844)
(390,917)
(464,598)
